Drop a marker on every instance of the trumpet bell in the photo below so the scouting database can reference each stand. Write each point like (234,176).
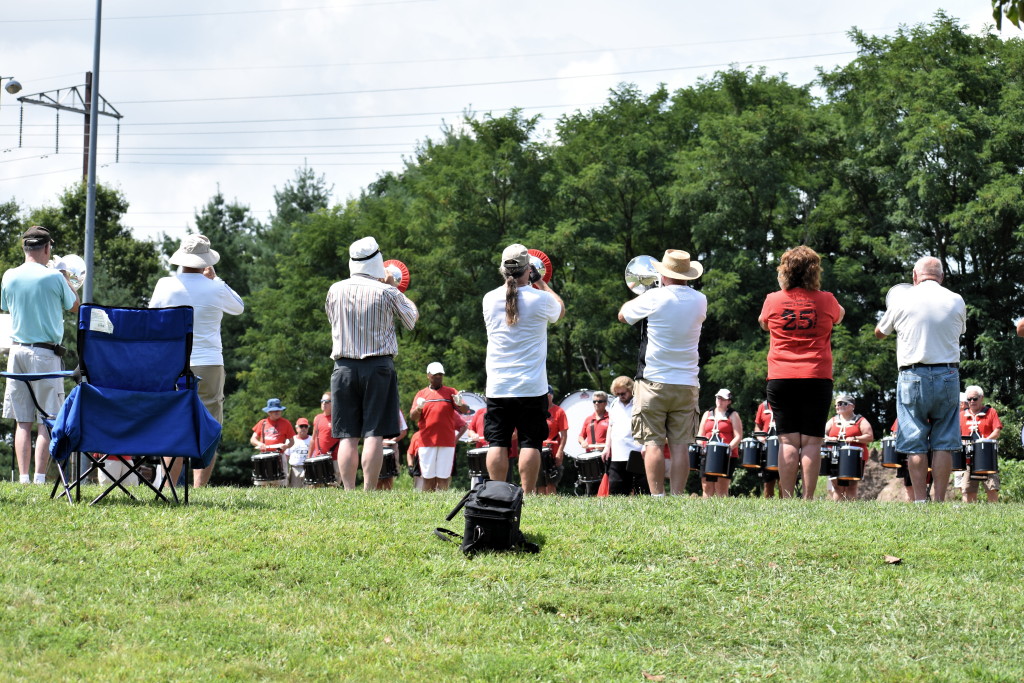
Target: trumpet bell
(73,265)
(895,293)
(400,272)
(540,261)
(641,274)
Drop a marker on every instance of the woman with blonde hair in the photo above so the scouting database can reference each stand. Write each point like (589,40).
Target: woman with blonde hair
(799,319)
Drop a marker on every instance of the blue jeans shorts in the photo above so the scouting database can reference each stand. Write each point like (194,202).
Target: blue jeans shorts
(927,402)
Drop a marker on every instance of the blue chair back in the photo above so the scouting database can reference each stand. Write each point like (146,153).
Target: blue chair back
(136,349)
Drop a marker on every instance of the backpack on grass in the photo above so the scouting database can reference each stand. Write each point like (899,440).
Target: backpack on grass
(492,511)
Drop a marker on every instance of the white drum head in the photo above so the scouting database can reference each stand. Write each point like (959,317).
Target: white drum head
(476,402)
(578,406)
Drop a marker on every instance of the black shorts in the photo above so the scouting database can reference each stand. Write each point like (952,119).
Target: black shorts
(800,406)
(528,415)
(365,398)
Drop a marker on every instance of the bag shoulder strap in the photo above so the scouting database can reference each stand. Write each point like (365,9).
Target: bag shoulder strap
(447,535)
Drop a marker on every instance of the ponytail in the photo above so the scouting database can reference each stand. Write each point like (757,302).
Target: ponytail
(511,301)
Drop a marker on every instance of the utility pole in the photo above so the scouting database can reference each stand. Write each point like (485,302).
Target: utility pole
(77,99)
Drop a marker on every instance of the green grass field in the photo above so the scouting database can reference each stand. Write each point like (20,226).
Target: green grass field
(316,584)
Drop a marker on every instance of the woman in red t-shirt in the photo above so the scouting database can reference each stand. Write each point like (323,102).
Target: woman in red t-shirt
(799,318)
(852,429)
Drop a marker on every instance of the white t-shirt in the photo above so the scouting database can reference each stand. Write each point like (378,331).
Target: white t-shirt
(517,356)
(211,299)
(298,451)
(620,429)
(928,320)
(675,314)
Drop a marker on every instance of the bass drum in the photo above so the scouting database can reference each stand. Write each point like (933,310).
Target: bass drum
(476,402)
(578,406)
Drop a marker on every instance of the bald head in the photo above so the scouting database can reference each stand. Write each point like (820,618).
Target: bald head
(928,268)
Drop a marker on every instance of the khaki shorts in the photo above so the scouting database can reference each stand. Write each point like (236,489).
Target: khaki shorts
(18,403)
(967,485)
(211,388)
(664,412)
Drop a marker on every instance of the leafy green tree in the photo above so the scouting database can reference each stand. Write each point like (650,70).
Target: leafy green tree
(933,153)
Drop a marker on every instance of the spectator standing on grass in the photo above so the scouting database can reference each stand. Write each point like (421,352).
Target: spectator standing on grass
(666,391)
(362,310)
(799,319)
(516,317)
(37,297)
(626,471)
(197,285)
(928,320)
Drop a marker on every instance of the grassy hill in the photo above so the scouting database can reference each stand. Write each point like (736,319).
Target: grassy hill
(316,584)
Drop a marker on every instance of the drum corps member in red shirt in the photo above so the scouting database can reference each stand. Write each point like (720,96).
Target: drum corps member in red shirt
(853,429)
(725,423)
(799,318)
(978,421)
(434,410)
(558,431)
(323,443)
(273,434)
(595,427)
(764,421)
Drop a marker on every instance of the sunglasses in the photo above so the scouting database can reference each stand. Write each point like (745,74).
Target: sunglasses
(621,394)
(600,401)
(974,398)
(325,400)
(843,403)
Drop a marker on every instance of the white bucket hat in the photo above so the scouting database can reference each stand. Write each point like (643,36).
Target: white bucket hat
(195,252)
(364,259)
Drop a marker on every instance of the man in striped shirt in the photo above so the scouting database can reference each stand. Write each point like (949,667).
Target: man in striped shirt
(364,387)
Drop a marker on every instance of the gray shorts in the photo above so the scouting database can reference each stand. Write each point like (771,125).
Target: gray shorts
(365,398)
(18,403)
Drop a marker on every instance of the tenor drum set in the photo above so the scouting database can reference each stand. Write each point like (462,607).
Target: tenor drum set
(713,458)
(841,461)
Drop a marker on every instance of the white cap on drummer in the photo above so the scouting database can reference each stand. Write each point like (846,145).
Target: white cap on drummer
(435,368)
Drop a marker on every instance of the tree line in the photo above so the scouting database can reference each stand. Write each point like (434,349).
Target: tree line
(915,147)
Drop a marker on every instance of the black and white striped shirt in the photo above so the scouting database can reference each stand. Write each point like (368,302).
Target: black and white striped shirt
(362,312)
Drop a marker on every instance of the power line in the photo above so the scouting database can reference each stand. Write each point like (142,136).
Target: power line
(517,81)
(481,58)
(215,14)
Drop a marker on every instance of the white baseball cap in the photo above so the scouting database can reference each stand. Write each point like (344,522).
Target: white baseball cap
(435,368)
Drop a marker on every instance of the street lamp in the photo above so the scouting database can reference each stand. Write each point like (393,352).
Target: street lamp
(13,86)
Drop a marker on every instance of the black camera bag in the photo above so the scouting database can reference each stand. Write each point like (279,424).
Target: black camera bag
(492,512)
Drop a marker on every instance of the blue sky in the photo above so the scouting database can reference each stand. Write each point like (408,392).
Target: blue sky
(237,94)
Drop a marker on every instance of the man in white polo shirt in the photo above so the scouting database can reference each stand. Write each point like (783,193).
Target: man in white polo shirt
(928,320)
(667,388)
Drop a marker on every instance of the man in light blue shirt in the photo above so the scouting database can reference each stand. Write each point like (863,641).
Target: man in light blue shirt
(36,297)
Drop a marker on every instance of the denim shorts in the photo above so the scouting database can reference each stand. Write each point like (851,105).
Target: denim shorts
(927,402)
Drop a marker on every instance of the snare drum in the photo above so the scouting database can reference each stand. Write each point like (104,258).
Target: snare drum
(476,461)
(590,468)
(829,460)
(695,451)
(267,467)
(771,455)
(985,457)
(962,457)
(851,464)
(716,460)
(319,471)
(750,454)
(389,465)
(890,458)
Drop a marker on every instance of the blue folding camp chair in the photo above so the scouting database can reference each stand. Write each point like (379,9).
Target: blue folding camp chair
(138,397)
